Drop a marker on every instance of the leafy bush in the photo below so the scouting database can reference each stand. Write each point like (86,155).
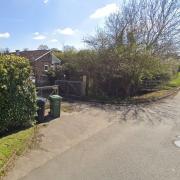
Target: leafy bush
(117,71)
(17,93)
(51,76)
(124,69)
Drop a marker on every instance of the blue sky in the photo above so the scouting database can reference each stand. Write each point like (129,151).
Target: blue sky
(29,23)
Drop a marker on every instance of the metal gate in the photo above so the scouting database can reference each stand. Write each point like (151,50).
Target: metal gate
(46,91)
(71,88)
(152,85)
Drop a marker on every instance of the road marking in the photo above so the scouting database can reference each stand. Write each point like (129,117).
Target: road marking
(177,143)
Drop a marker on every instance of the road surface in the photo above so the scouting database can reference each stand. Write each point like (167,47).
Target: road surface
(107,142)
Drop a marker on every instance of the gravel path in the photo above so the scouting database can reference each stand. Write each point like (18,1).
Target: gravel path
(107,142)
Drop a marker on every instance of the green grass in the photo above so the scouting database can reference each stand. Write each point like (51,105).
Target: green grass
(151,96)
(13,144)
(175,82)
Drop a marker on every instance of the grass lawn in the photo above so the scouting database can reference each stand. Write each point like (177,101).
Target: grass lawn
(175,82)
(13,144)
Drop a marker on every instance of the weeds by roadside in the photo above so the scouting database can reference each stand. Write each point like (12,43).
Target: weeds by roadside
(12,145)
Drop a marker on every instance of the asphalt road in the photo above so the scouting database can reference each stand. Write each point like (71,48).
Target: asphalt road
(119,143)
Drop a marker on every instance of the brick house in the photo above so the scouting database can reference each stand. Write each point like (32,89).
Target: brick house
(41,61)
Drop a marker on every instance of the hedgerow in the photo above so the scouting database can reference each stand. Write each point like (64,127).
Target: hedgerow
(17,93)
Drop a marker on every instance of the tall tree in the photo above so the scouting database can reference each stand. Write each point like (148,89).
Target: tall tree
(43,47)
(153,24)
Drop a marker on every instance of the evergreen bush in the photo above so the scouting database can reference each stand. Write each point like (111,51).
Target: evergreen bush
(17,93)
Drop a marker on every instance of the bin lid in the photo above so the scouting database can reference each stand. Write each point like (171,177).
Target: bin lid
(41,99)
(55,97)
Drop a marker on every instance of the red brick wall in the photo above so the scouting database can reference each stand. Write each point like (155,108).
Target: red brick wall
(38,68)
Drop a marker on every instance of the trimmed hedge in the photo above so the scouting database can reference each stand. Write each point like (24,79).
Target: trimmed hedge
(17,93)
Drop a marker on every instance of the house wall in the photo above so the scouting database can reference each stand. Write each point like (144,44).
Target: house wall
(38,65)
(39,72)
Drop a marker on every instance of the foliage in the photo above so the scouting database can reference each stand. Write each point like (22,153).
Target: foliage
(43,47)
(123,70)
(152,25)
(17,93)
(175,82)
(51,76)
(135,45)
(118,71)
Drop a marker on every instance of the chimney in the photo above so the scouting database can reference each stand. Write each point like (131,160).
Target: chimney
(17,52)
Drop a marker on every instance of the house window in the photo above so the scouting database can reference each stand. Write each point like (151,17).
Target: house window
(46,67)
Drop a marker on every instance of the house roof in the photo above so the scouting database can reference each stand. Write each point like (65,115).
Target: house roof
(32,55)
(45,53)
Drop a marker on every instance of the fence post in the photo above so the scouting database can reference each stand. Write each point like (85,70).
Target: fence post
(84,83)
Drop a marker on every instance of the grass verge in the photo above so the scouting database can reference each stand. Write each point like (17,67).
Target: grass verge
(175,82)
(12,145)
(152,96)
(171,88)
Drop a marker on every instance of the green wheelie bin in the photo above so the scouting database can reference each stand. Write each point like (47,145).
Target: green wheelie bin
(55,105)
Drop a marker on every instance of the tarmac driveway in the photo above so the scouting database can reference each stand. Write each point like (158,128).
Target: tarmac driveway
(107,142)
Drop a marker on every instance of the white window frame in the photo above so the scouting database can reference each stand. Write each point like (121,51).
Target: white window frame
(46,68)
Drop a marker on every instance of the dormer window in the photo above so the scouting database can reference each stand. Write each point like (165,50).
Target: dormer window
(46,68)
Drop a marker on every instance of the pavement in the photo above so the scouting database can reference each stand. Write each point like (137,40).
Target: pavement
(107,142)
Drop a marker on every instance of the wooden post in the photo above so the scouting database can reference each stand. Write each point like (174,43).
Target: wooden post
(84,85)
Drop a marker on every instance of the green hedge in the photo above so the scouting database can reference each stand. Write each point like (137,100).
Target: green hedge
(17,93)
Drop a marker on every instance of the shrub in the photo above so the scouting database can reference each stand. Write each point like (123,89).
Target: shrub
(17,93)
(51,76)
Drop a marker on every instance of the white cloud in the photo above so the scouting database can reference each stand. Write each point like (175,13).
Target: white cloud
(66,31)
(38,36)
(4,35)
(36,33)
(105,11)
(45,1)
(54,40)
